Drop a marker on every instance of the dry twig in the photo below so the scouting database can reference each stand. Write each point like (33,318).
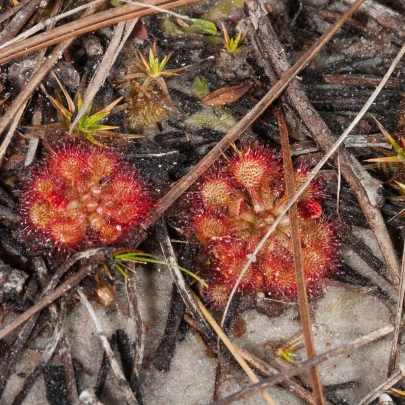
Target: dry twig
(231,348)
(18,21)
(299,268)
(120,36)
(48,23)
(260,365)
(12,10)
(385,16)
(84,25)
(16,109)
(46,355)
(138,324)
(49,295)
(178,278)
(386,385)
(400,303)
(122,382)
(64,347)
(293,371)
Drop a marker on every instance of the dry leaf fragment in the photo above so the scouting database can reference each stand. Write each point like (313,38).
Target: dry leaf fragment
(226,95)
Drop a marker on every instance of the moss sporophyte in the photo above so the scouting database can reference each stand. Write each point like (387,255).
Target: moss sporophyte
(234,204)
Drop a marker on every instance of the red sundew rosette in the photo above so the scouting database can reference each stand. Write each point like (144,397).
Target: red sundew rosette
(237,201)
(82,196)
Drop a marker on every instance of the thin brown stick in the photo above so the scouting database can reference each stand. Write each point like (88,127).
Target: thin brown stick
(260,365)
(250,117)
(231,348)
(391,381)
(83,26)
(120,36)
(12,10)
(361,81)
(14,26)
(293,371)
(25,94)
(299,268)
(385,16)
(122,382)
(45,301)
(400,303)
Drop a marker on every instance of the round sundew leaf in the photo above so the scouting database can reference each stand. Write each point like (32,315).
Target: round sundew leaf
(125,190)
(208,227)
(71,167)
(40,214)
(101,164)
(68,231)
(249,173)
(109,233)
(279,273)
(216,193)
(217,294)
(50,190)
(123,214)
(45,186)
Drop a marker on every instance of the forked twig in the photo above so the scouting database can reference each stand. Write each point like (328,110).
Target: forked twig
(391,381)
(49,295)
(298,264)
(46,355)
(293,371)
(231,348)
(122,382)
